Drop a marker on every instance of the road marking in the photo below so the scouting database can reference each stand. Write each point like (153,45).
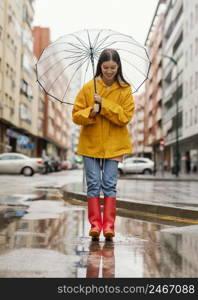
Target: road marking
(168,218)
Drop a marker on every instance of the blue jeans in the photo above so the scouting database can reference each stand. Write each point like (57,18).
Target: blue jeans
(101,174)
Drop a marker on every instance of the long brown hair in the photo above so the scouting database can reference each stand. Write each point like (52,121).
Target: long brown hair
(107,55)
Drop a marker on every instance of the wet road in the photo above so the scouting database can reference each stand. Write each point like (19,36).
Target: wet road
(51,240)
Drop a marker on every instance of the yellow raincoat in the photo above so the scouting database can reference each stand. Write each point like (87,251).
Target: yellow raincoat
(106,135)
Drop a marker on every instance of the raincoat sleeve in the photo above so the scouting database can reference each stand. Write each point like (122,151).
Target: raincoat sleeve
(120,114)
(81,112)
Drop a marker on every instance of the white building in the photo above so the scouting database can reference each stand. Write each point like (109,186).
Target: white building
(173,68)
(189,145)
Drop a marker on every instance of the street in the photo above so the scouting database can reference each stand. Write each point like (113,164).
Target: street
(47,236)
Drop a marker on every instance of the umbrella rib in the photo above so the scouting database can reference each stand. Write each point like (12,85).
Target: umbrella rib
(134,67)
(133,53)
(51,67)
(97,37)
(78,47)
(105,46)
(77,55)
(86,69)
(62,72)
(89,39)
(133,85)
(69,43)
(55,44)
(81,41)
(74,75)
(146,60)
(111,43)
(102,41)
(133,41)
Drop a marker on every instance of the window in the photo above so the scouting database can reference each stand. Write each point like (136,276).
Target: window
(186,89)
(41,105)
(40,124)
(186,58)
(1,31)
(9,156)
(196,46)
(191,116)
(186,119)
(196,112)
(186,28)
(196,80)
(191,84)
(196,13)
(191,52)
(138,161)
(191,20)
(178,42)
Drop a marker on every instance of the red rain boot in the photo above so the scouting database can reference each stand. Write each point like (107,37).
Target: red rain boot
(94,216)
(109,213)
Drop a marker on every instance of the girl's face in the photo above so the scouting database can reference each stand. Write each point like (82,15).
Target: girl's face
(109,70)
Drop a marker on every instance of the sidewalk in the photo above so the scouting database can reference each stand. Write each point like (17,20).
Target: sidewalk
(150,195)
(162,176)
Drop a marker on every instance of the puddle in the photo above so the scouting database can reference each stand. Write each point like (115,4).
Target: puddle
(51,240)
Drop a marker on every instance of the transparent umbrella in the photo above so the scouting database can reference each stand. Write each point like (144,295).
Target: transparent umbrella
(66,64)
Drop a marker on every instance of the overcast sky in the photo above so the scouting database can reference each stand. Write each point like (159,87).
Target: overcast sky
(131,17)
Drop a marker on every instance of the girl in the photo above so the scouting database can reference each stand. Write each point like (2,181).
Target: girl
(104,138)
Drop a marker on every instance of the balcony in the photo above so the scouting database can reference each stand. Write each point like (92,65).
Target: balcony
(158,134)
(140,137)
(140,115)
(140,148)
(150,89)
(140,126)
(158,57)
(159,114)
(150,122)
(150,140)
(150,105)
(172,135)
(159,75)
(159,94)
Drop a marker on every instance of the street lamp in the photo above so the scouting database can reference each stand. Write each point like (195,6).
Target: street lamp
(176,158)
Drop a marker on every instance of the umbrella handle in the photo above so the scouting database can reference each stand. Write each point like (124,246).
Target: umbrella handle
(92,61)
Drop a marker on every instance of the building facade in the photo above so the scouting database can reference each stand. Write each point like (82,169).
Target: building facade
(30,122)
(18,98)
(189,142)
(153,87)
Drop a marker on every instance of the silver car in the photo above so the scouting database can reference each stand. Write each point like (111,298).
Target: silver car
(16,163)
(136,165)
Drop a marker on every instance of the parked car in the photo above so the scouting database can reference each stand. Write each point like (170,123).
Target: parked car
(66,165)
(136,165)
(17,163)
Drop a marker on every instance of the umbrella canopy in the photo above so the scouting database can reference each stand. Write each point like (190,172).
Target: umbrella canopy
(66,64)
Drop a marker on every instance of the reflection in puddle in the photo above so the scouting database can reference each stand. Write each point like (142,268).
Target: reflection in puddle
(103,255)
(51,240)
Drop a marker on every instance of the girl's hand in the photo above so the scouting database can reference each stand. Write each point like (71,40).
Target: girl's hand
(97,98)
(92,114)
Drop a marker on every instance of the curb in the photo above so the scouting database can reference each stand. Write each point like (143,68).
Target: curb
(21,199)
(157,209)
(159,179)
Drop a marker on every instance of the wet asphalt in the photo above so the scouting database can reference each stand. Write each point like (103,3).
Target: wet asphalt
(44,235)
(51,240)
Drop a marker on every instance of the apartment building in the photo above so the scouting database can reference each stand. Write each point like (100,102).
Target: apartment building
(18,99)
(57,127)
(173,81)
(136,127)
(189,142)
(153,87)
